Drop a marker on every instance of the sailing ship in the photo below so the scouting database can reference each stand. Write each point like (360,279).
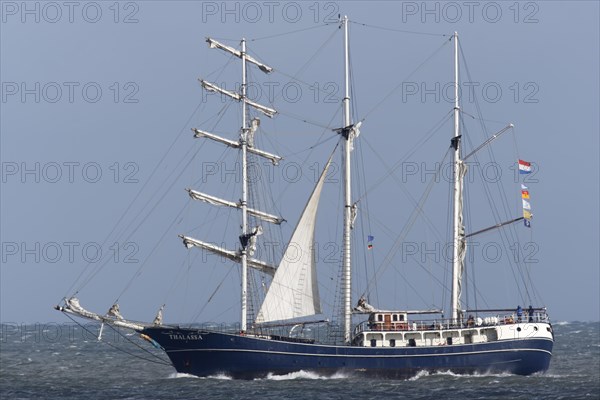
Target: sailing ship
(389,343)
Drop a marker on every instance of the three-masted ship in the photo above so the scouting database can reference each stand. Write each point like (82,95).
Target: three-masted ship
(391,343)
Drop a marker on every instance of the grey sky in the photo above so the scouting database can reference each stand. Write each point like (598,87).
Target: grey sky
(94,93)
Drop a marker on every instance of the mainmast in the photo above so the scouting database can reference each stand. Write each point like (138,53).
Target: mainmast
(458,227)
(347,131)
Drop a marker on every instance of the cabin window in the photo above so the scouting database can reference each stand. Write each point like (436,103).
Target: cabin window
(380,317)
(395,317)
(373,342)
(401,317)
(392,342)
(449,340)
(412,343)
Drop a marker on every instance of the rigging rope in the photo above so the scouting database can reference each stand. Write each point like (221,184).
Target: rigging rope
(407,227)
(398,30)
(161,361)
(399,85)
(509,234)
(121,218)
(294,31)
(390,170)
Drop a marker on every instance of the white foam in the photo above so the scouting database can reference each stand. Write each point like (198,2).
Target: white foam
(419,375)
(220,376)
(304,375)
(546,375)
(177,375)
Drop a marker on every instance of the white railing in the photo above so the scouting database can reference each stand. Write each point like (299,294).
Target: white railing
(477,320)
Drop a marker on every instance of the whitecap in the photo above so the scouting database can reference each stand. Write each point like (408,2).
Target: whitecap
(493,375)
(473,375)
(177,375)
(304,375)
(419,375)
(220,376)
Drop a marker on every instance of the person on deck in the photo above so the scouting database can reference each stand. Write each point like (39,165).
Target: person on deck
(530,313)
(519,313)
(470,321)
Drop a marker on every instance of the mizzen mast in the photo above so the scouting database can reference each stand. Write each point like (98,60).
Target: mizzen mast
(459,243)
(350,132)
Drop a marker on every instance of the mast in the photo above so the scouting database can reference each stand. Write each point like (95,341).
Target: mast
(346,258)
(458,229)
(244,200)
(247,236)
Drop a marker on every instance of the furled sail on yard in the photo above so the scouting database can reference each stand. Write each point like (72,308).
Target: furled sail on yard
(294,291)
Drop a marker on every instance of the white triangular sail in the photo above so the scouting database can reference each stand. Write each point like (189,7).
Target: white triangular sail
(294,292)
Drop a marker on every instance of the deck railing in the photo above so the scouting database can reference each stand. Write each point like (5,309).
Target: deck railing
(471,321)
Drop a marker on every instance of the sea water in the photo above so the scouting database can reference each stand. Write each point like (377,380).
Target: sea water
(68,362)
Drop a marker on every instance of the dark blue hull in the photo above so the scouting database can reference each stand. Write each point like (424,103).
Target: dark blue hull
(206,353)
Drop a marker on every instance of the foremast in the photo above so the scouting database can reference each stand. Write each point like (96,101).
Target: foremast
(459,170)
(245,145)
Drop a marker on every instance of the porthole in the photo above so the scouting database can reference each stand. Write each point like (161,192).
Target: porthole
(519,329)
(535,328)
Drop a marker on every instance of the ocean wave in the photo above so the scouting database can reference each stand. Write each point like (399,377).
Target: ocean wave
(304,375)
(547,375)
(419,375)
(562,323)
(422,374)
(177,375)
(181,375)
(220,377)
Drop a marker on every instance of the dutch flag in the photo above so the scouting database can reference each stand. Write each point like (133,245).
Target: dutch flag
(524,167)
